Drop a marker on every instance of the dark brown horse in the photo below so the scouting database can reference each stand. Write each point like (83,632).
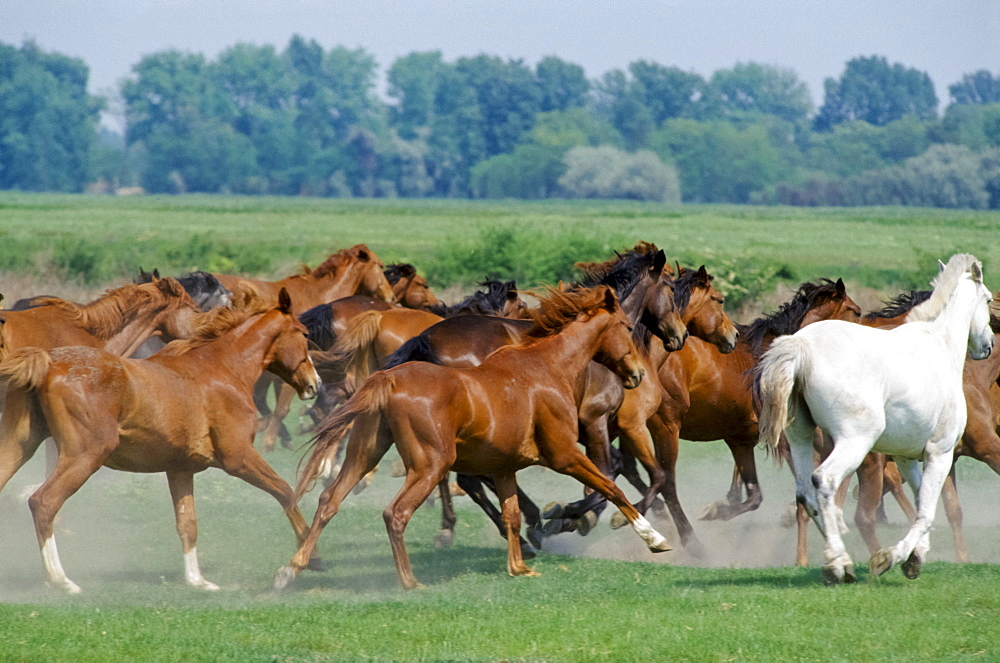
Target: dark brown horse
(181,411)
(517,408)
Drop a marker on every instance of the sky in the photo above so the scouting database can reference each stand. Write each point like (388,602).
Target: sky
(815,38)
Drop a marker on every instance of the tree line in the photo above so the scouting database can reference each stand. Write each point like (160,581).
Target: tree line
(307,120)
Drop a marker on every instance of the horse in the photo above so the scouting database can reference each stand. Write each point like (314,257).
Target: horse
(646,290)
(206,290)
(864,388)
(707,396)
(409,289)
(181,411)
(517,408)
(356,270)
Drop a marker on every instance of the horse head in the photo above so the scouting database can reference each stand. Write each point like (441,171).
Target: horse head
(656,306)
(176,316)
(702,309)
(372,280)
(617,351)
(410,289)
(288,356)
(981,335)
(832,304)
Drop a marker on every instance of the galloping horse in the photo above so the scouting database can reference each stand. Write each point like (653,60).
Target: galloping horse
(864,388)
(185,409)
(516,409)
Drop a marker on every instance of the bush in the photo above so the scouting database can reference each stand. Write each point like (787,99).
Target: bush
(607,172)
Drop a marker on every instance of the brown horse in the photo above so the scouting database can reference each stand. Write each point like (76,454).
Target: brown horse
(707,397)
(409,289)
(517,408)
(181,411)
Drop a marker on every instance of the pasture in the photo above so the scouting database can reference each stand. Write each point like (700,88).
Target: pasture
(603,597)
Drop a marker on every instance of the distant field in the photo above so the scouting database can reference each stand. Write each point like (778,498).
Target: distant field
(882,248)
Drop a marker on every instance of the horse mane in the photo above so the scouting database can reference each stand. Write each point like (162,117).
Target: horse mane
(319,323)
(210,325)
(490,301)
(788,317)
(900,305)
(623,272)
(399,270)
(104,316)
(943,285)
(685,281)
(558,308)
(336,261)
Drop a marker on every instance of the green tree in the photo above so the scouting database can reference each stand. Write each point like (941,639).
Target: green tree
(872,90)
(562,85)
(765,89)
(48,122)
(980,87)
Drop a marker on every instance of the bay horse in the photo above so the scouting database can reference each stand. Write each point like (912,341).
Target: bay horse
(707,396)
(862,387)
(646,289)
(181,411)
(515,409)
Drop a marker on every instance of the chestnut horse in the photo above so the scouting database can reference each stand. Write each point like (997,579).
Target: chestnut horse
(517,408)
(185,409)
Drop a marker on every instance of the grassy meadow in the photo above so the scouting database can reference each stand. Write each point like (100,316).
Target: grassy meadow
(599,598)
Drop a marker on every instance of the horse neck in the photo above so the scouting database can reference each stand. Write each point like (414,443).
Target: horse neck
(632,303)
(571,350)
(241,350)
(952,324)
(133,331)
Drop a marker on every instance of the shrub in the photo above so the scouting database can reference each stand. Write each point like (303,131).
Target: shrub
(607,172)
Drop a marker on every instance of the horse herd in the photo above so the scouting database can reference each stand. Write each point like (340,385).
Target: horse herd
(637,350)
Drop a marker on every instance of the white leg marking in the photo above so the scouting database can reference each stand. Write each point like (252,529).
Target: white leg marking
(192,573)
(54,570)
(653,539)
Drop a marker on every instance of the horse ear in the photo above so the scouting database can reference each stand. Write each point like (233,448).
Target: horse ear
(156,272)
(660,261)
(284,301)
(941,266)
(841,288)
(703,275)
(364,255)
(407,271)
(977,272)
(610,300)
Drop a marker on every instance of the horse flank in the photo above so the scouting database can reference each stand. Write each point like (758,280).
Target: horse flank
(370,399)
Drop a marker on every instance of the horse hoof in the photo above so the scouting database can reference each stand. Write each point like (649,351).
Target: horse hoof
(443,539)
(880,562)
(360,488)
(715,511)
(535,536)
(553,510)
(558,526)
(849,576)
(912,566)
(694,548)
(790,518)
(660,545)
(397,469)
(618,520)
(586,524)
(830,576)
(528,551)
(283,577)
(659,508)
(207,586)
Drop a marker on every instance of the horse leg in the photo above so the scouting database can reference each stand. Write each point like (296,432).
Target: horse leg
(475,487)
(870,474)
(665,431)
(564,457)
(22,429)
(507,492)
(893,481)
(581,515)
(636,439)
(275,426)
(182,493)
(446,534)
(845,458)
(630,472)
(367,444)
(953,510)
(742,451)
(247,464)
(912,549)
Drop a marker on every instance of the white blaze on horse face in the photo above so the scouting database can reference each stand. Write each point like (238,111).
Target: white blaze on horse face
(54,569)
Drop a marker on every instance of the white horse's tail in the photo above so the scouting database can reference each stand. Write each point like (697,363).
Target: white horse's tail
(775,386)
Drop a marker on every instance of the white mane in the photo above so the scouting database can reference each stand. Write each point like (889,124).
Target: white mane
(944,285)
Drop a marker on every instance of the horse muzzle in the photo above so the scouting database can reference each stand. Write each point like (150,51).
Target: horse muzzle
(633,380)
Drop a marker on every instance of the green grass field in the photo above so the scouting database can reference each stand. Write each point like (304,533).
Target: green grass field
(599,598)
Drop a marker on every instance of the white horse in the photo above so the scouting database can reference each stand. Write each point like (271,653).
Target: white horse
(898,391)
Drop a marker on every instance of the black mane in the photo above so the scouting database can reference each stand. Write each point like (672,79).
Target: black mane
(623,275)
(319,323)
(488,302)
(901,304)
(789,316)
(399,270)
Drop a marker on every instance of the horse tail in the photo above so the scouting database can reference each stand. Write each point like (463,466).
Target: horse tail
(368,401)
(775,386)
(25,368)
(355,346)
(417,348)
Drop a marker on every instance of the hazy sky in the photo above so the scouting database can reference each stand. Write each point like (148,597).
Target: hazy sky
(945,38)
